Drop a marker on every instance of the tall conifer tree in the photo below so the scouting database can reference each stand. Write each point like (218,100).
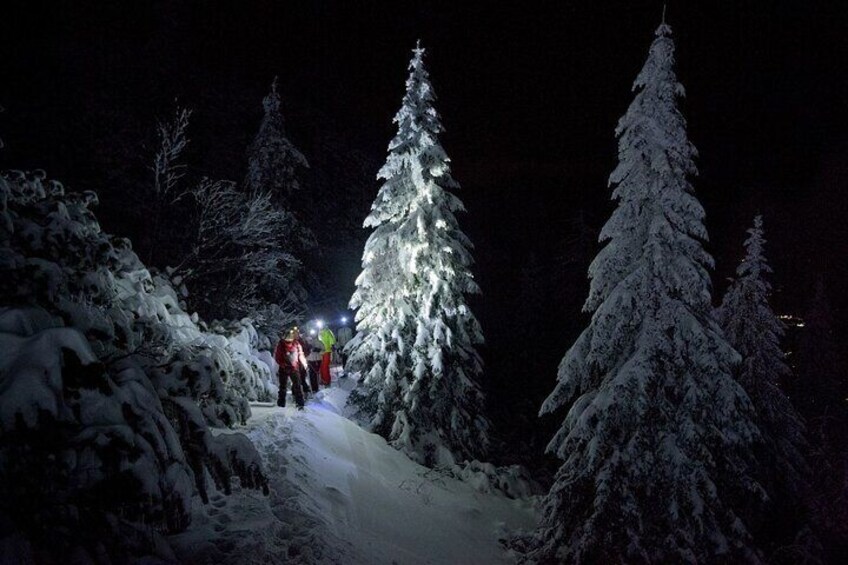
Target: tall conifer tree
(656,443)
(754,330)
(416,345)
(274,163)
(275,167)
(273,183)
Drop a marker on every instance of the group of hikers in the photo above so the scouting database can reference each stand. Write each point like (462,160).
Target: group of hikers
(302,361)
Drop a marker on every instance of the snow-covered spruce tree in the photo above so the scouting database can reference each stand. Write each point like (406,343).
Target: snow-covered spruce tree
(754,330)
(417,336)
(275,165)
(272,184)
(656,444)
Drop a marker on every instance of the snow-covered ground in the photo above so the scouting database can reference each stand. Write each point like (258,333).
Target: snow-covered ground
(342,495)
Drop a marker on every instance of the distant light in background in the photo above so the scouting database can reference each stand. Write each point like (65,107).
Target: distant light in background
(319,323)
(344,319)
(792,320)
(312,332)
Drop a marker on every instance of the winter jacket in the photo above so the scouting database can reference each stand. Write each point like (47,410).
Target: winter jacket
(289,355)
(328,339)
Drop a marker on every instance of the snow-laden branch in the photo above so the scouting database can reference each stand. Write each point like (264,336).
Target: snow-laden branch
(167,167)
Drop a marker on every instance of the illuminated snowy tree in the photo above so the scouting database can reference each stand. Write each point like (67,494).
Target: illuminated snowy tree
(656,443)
(416,345)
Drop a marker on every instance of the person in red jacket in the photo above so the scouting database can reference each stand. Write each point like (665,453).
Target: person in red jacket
(290,358)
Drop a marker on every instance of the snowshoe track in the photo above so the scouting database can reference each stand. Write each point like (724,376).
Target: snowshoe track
(249,528)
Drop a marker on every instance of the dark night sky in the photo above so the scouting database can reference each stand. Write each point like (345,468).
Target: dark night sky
(530,94)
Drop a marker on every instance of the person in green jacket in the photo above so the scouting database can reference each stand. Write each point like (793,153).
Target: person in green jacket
(327,338)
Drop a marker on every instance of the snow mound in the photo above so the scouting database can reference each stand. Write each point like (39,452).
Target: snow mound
(513,481)
(107,387)
(31,373)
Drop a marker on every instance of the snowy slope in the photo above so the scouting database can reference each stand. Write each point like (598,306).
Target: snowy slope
(341,494)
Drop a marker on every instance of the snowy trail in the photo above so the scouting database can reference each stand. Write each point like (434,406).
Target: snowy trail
(342,495)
